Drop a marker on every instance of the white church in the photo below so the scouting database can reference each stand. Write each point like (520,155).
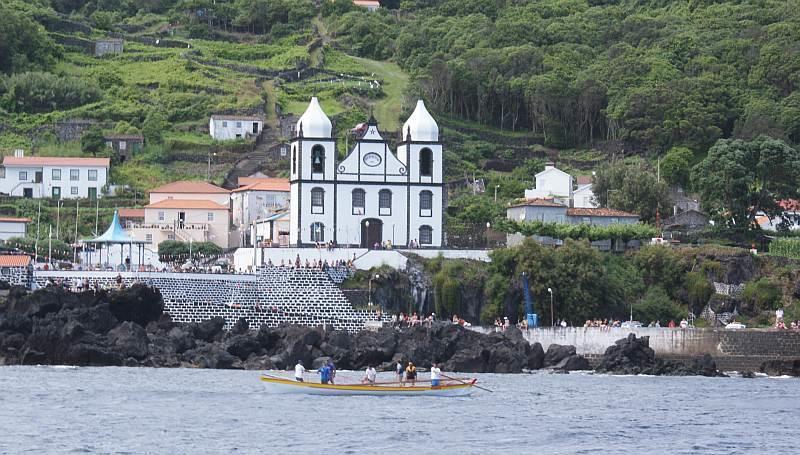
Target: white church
(371,196)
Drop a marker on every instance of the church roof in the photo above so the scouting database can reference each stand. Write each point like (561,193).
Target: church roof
(314,122)
(420,125)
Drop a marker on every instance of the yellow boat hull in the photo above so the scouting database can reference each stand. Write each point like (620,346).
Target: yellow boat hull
(288,386)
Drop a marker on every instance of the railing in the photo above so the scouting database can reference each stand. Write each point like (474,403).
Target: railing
(171,227)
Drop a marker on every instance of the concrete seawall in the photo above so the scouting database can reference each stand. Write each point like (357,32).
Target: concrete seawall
(732,349)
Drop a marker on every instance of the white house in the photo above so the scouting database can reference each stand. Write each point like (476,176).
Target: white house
(370,5)
(231,127)
(553,183)
(185,211)
(372,195)
(55,177)
(12,227)
(257,199)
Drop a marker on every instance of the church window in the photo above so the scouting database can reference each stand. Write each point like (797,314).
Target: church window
(426,162)
(317,159)
(317,232)
(385,202)
(294,160)
(425,203)
(317,200)
(425,235)
(359,201)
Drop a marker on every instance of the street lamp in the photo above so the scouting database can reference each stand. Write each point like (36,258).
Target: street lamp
(495,192)
(552,319)
(366,241)
(208,170)
(369,299)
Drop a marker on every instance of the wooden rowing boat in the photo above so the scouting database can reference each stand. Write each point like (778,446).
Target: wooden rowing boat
(448,388)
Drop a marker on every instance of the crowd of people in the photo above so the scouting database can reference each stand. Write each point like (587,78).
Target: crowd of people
(406,374)
(321,264)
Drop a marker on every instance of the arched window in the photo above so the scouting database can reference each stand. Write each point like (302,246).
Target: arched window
(384,203)
(425,203)
(359,201)
(425,235)
(317,232)
(318,159)
(294,159)
(317,200)
(426,162)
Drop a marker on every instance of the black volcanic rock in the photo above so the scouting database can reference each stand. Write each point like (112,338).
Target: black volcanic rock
(632,355)
(781,367)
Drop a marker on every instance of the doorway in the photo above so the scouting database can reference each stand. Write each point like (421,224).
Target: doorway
(371,232)
(181,219)
(27,192)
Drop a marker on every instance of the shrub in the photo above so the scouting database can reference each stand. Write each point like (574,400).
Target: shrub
(763,294)
(698,289)
(786,247)
(43,92)
(656,305)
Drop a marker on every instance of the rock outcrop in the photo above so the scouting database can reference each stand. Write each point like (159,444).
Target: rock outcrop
(633,355)
(128,327)
(781,367)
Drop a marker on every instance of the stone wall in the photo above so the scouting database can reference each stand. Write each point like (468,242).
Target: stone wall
(732,349)
(273,296)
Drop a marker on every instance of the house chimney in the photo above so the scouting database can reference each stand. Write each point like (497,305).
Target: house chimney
(19,153)
(549,165)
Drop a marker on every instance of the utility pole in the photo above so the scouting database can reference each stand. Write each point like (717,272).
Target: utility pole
(58,218)
(96,217)
(36,243)
(50,245)
(75,253)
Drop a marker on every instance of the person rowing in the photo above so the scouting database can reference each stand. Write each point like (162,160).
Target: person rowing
(399,372)
(435,375)
(370,375)
(299,371)
(324,374)
(411,374)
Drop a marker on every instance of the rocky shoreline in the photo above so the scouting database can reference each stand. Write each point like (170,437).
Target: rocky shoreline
(129,328)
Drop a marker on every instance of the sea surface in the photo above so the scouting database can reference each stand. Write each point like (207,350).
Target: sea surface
(47,410)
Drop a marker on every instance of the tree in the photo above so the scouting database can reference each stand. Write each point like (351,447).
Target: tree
(740,179)
(24,43)
(631,186)
(153,127)
(93,141)
(676,166)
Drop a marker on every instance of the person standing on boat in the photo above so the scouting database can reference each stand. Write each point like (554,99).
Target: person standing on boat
(411,373)
(399,371)
(333,370)
(370,376)
(436,374)
(299,371)
(324,374)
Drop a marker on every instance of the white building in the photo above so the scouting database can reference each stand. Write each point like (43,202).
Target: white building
(55,177)
(370,5)
(553,183)
(186,211)
(373,195)
(12,227)
(257,199)
(232,127)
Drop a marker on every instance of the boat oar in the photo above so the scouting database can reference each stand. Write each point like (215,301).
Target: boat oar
(465,382)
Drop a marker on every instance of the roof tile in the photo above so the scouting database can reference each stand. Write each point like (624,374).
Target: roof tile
(186,204)
(55,161)
(599,211)
(14,260)
(188,186)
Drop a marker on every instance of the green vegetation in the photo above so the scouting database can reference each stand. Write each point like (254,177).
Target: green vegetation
(786,247)
(631,186)
(591,232)
(176,251)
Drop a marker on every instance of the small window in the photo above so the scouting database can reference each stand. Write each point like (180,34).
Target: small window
(109,144)
(426,162)
(238,124)
(23,176)
(283,151)
(425,203)
(123,145)
(73,190)
(317,232)
(160,216)
(210,216)
(74,174)
(359,199)
(92,175)
(294,160)
(385,203)
(586,220)
(317,159)
(425,235)
(56,174)
(170,236)
(317,200)
(224,124)
(148,238)
(56,192)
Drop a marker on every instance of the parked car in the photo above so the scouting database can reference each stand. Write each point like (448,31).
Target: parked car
(631,325)
(735,326)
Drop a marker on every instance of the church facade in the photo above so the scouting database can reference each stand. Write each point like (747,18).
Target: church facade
(372,195)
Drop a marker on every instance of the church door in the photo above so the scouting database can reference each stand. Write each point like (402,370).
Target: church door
(371,232)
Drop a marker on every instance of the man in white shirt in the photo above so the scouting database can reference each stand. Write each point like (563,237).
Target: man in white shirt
(370,376)
(299,371)
(436,374)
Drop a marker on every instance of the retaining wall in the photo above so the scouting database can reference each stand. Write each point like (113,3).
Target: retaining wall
(732,349)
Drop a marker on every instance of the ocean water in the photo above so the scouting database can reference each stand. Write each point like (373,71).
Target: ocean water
(46,410)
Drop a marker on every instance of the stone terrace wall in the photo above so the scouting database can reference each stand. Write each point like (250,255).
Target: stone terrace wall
(732,349)
(274,296)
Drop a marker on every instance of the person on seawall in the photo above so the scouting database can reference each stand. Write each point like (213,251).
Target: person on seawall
(299,371)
